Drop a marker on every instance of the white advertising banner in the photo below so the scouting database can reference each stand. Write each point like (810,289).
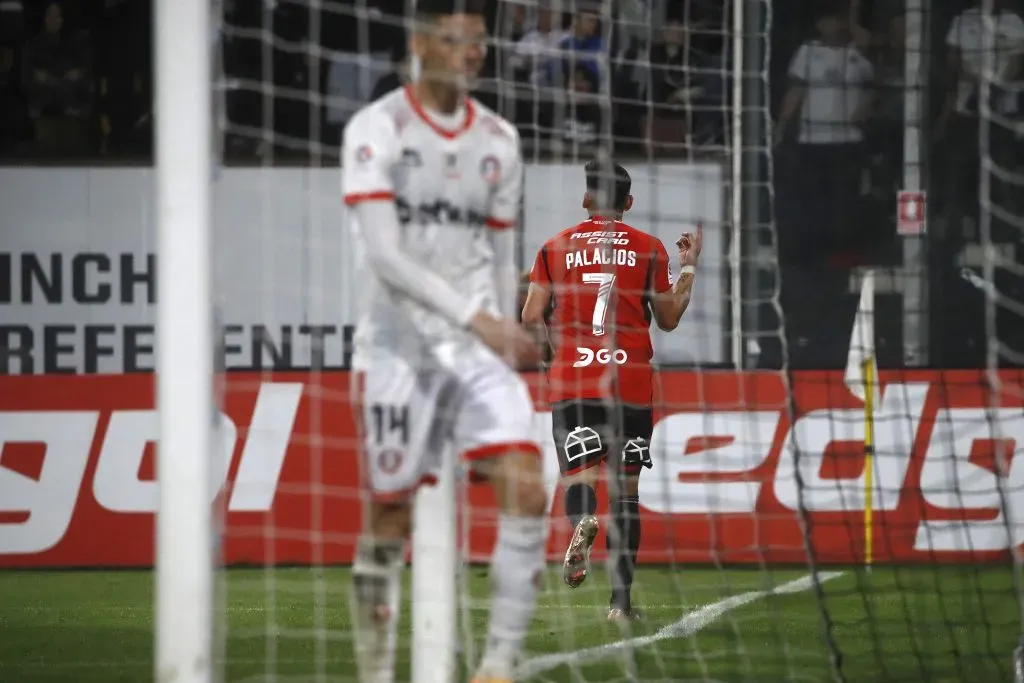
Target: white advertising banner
(78,263)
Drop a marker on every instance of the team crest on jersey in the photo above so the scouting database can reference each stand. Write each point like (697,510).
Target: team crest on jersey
(490,169)
(364,153)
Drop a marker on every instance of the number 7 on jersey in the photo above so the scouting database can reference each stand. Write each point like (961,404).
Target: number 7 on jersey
(605,282)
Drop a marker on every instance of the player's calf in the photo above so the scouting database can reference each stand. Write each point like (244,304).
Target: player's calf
(580,509)
(374,603)
(518,558)
(624,532)
(580,496)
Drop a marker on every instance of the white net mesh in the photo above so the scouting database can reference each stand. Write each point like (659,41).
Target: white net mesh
(650,84)
(750,492)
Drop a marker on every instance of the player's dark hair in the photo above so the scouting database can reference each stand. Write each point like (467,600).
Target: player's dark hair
(608,179)
(427,10)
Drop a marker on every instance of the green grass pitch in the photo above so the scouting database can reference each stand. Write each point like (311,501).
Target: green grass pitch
(953,623)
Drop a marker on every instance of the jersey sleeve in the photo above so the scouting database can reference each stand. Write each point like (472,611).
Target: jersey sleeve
(369,153)
(506,273)
(800,65)
(660,278)
(504,211)
(540,273)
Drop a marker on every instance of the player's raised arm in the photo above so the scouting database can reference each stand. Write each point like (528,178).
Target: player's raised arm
(369,153)
(671,300)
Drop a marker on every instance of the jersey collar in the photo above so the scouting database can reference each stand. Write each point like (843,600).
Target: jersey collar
(417,107)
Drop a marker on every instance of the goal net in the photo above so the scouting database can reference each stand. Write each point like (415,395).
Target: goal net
(763,506)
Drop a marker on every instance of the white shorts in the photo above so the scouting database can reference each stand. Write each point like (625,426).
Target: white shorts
(409,414)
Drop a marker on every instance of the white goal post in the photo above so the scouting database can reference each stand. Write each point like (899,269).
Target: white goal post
(435,569)
(184,548)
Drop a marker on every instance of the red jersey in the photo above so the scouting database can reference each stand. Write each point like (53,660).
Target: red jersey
(601,275)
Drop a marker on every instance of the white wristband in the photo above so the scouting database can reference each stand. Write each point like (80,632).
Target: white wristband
(687,270)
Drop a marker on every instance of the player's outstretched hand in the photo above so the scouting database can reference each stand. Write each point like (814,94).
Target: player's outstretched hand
(507,339)
(690,245)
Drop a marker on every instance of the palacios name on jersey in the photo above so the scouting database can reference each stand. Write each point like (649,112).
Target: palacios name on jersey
(600,255)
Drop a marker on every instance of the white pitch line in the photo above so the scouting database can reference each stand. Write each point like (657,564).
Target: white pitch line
(690,624)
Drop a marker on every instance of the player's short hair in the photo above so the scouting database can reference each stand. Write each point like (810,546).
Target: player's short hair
(608,177)
(430,10)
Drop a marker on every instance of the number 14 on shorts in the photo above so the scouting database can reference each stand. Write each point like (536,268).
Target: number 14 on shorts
(388,422)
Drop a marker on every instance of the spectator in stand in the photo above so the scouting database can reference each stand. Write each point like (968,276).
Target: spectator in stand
(584,45)
(828,100)
(583,117)
(672,88)
(58,81)
(958,124)
(535,56)
(533,60)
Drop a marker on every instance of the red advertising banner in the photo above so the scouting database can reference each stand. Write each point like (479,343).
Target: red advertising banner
(742,473)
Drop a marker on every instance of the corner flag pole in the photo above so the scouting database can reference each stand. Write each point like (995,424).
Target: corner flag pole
(862,380)
(868,368)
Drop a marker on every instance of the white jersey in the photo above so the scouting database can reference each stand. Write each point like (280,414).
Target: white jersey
(837,78)
(452,182)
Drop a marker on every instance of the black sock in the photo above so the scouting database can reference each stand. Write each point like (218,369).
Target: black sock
(623,544)
(580,501)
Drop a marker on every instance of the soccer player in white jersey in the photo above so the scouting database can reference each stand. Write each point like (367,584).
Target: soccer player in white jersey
(432,180)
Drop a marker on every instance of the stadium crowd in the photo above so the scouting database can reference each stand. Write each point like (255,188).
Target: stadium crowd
(76,75)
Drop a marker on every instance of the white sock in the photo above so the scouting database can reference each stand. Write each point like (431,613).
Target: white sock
(516,567)
(375,604)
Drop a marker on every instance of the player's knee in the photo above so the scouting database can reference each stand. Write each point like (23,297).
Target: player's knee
(628,486)
(520,485)
(390,520)
(532,501)
(636,456)
(588,476)
(527,497)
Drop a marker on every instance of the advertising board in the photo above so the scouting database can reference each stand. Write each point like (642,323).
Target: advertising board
(78,263)
(736,479)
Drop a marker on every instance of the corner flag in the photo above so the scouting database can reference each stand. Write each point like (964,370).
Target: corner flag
(861,375)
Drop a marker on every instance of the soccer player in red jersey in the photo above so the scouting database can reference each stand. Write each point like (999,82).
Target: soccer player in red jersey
(597,286)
